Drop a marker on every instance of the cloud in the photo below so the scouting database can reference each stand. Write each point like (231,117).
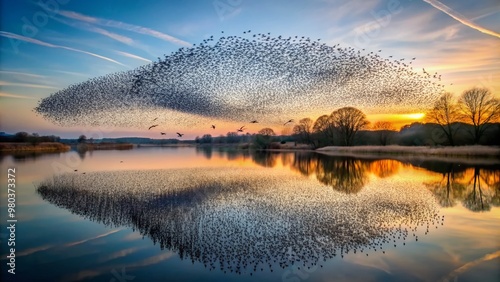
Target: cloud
(92,238)
(9,95)
(91,28)
(133,56)
(461,18)
(46,44)
(125,26)
(6,83)
(22,74)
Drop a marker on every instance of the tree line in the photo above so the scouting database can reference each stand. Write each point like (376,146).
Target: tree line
(471,119)
(34,138)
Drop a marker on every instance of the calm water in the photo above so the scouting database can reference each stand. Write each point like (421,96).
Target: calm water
(185,214)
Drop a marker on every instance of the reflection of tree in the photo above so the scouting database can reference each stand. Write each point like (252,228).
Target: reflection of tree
(343,174)
(492,179)
(384,168)
(265,158)
(477,200)
(81,153)
(305,163)
(207,151)
(475,187)
(447,190)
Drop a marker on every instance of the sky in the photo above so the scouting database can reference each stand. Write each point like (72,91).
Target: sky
(49,45)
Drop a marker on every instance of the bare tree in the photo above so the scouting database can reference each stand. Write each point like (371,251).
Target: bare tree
(445,113)
(267,131)
(323,126)
(385,131)
(348,121)
(481,108)
(263,139)
(304,130)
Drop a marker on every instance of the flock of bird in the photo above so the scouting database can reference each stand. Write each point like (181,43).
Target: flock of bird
(237,78)
(244,220)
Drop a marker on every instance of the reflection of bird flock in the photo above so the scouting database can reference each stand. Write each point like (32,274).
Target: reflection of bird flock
(247,220)
(239,78)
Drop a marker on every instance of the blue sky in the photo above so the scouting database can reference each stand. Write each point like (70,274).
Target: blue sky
(46,48)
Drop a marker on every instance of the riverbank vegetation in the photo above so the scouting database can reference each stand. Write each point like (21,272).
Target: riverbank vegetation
(43,147)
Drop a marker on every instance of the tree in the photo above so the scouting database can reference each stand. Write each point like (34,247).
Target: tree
(267,131)
(21,136)
(323,128)
(481,108)
(445,113)
(82,139)
(207,138)
(304,130)
(347,122)
(385,131)
(263,138)
(34,139)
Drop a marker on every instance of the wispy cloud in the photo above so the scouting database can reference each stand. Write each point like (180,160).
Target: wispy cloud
(461,18)
(91,28)
(46,44)
(92,238)
(10,95)
(6,83)
(133,56)
(22,74)
(455,273)
(124,26)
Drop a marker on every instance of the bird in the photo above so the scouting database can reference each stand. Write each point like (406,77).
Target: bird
(254,121)
(179,134)
(213,126)
(162,133)
(288,122)
(154,125)
(155,119)
(241,129)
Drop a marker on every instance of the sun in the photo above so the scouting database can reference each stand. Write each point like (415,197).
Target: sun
(415,116)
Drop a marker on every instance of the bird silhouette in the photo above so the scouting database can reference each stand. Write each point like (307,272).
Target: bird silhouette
(213,126)
(154,125)
(179,134)
(288,122)
(155,119)
(254,121)
(241,129)
(162,133)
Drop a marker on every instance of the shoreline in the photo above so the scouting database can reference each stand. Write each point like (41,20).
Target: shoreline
(458,151)
(44,147)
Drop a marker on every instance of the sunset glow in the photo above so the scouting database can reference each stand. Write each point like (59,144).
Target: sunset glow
(81,42)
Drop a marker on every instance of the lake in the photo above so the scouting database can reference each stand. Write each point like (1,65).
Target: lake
(202,214)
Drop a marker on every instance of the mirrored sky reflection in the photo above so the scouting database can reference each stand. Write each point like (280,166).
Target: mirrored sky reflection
(255,213)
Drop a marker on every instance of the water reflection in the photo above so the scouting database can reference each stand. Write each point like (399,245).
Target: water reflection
(26,156)
(476,188)
(245,220)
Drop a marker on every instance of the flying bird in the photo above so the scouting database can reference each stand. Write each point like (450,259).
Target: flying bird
(155,119)
(254,121)
(154,125)
(241,129)
(288,122)
(179,134)
(213,126)
(162,133)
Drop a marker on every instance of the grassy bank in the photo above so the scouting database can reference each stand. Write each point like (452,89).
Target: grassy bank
(104,146)
(43,147)
(459,151)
